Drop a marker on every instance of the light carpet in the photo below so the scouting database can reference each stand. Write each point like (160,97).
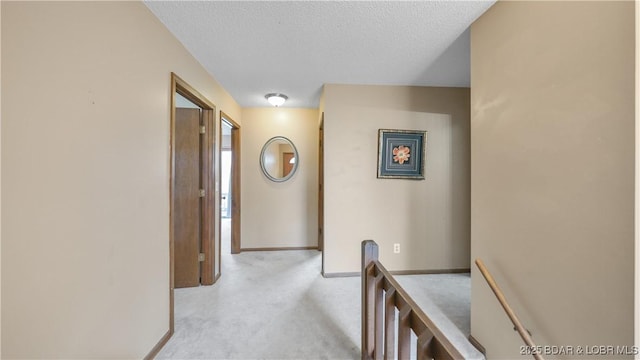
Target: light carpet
(276,305)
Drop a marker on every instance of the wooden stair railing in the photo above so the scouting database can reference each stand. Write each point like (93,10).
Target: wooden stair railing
(524,333)
(381,296)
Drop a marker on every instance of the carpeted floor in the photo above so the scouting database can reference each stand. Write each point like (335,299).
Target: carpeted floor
(276,305)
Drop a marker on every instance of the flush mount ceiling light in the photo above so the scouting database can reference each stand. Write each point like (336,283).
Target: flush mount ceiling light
(276,99)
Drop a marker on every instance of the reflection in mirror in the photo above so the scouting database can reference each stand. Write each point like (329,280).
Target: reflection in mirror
(279,159)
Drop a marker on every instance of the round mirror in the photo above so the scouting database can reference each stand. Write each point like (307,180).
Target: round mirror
(279,159)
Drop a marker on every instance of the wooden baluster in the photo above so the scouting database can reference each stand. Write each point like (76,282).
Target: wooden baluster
(370,315)
(390,325)
(369,255)
(425,340)
(439,352)
(381,296)
(404,333)
(379,302)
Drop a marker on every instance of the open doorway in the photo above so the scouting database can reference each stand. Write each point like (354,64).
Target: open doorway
(230,185)
(225,189)
(192,195)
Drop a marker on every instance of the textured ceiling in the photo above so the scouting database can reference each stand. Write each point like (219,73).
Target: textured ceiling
(294,47)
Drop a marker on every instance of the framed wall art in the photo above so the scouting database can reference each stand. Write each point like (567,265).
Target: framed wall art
(401,154)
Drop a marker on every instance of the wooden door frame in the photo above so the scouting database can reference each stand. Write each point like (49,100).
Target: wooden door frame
(321,189)
(235,183)
(208,176)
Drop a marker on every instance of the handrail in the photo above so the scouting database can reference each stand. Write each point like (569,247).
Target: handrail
(512,315)
(381,296)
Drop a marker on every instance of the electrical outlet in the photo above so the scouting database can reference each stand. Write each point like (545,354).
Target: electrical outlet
(396,248)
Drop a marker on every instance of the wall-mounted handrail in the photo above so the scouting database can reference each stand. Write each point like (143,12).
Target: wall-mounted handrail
(524,333)
(381,296)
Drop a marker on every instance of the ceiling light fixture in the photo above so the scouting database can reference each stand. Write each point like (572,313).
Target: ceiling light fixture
(276,99)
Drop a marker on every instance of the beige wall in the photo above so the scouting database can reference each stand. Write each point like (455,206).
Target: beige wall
(552,144)
(0,187)
(272,161)
(637,205)
(85,157)
(279,214)
(429,218)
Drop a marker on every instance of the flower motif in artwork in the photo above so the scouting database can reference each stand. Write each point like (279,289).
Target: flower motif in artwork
(401,154)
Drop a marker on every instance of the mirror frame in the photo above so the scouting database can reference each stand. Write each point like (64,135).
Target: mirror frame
(295,154)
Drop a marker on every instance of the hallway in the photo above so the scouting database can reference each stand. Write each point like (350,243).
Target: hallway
(266,305)
(277,305)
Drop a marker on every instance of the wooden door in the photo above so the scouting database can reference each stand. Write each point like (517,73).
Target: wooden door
(188,216)
(287,165)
